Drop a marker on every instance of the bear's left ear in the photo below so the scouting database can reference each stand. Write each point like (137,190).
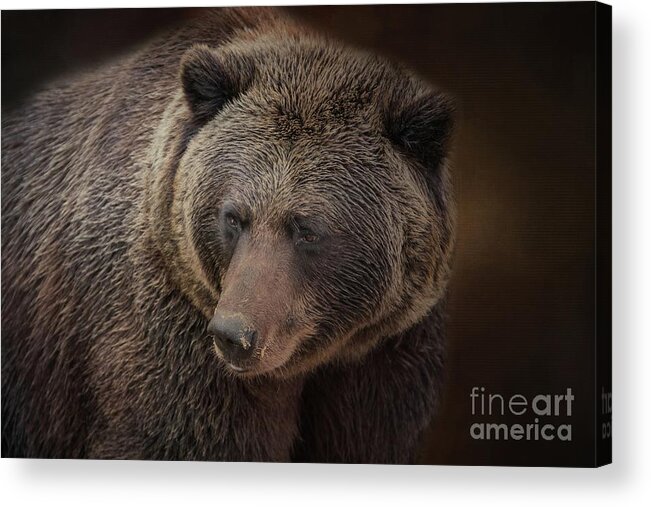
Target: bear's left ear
(421,126)
(211,79)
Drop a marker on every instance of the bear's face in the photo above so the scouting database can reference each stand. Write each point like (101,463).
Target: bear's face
(311,201)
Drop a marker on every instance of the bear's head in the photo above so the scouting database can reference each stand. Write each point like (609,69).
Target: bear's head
(302,199)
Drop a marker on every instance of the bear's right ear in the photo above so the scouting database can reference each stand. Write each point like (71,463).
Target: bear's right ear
(211,80)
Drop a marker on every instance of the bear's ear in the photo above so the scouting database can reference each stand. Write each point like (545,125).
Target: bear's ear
(421,125)
(211,80)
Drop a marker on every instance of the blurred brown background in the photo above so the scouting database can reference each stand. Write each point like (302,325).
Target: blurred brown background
(522,296)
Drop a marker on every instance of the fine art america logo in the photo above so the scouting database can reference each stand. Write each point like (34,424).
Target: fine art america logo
(539,416)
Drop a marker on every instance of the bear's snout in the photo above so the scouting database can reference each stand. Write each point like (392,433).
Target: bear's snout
(234,337)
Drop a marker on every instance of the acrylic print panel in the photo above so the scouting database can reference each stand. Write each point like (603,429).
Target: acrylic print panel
(352,234)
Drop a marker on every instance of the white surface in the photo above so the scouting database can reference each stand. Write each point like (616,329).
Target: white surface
(27,482)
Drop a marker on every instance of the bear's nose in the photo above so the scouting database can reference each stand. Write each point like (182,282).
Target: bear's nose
(234,337)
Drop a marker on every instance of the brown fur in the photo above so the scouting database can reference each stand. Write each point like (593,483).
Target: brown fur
(115,254)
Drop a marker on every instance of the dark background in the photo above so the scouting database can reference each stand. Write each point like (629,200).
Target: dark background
(522,295)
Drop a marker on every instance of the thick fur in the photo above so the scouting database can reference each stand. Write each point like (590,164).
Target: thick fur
(115,254)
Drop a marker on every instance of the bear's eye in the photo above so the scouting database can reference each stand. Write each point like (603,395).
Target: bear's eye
(308,237)
(308,234)
(232,221)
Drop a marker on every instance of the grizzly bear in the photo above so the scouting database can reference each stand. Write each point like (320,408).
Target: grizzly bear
(232,244)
